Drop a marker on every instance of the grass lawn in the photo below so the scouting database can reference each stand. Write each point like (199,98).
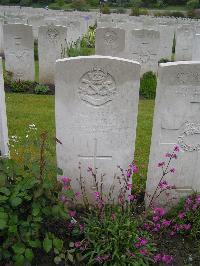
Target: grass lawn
(25,109)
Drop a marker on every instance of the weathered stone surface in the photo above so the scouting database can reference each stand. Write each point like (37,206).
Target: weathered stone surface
(4,151)
(176,122)
(143,46)
(110,41)
(1,35)
(19,51)
(184,38)
(96,105)
(36,21)
(73,30)
(196,48)
(52,45)
(166,41)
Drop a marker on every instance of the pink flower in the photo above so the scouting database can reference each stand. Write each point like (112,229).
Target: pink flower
(65,180)
(128,173)
(72,213)
(113,216)
(147,226)
(189,200)
(163,184)
(166,223)
(89,169)
(187,226)
(143,252)
(168,155)
(176,148)
(157,258)
(78,194)
(77,244)
(167,259)
(62,198)
(129,186)
(100,204)
(174,156)
(159,211)
(176,227)
(141,242)
(131,197)
(172,170)
(121,199)
(161,164)
(96,195)
(156,218)
(134,168)
(70,226)
(198,198)
(181,215)
(172,233)
(81,227)
(194,207)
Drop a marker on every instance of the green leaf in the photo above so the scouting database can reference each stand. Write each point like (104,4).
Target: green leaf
(29,254)
(18,248)
(5,191)
(69,193)
(35,211)
(70,257)
(71,244)
(15,201)
(3,215)
(2,179)
(12,229)
(58,244)
(3,224)
(19,260)
(3,199)
(38,192)
(57,260)
(35,243)
(47,244)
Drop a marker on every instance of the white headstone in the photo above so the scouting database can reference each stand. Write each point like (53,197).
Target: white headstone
(184,39)
(52,42)
(110,41)
(73,30)
(4,151)
(1,35)
(166,41)
(36,21)
(96,105)
(143,46)
(19,51)
(176,122)
(196,48)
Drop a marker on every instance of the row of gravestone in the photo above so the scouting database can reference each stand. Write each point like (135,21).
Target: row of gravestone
(76,26)
(160,41)
(96,108)
(19,51)
(140,45)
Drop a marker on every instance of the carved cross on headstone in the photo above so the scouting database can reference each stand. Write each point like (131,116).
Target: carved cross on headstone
(94,158)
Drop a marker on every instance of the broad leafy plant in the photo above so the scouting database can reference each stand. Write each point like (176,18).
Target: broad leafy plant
(28,197)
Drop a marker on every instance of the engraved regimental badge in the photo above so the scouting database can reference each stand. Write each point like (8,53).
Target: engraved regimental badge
(97,87)
(189,140)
